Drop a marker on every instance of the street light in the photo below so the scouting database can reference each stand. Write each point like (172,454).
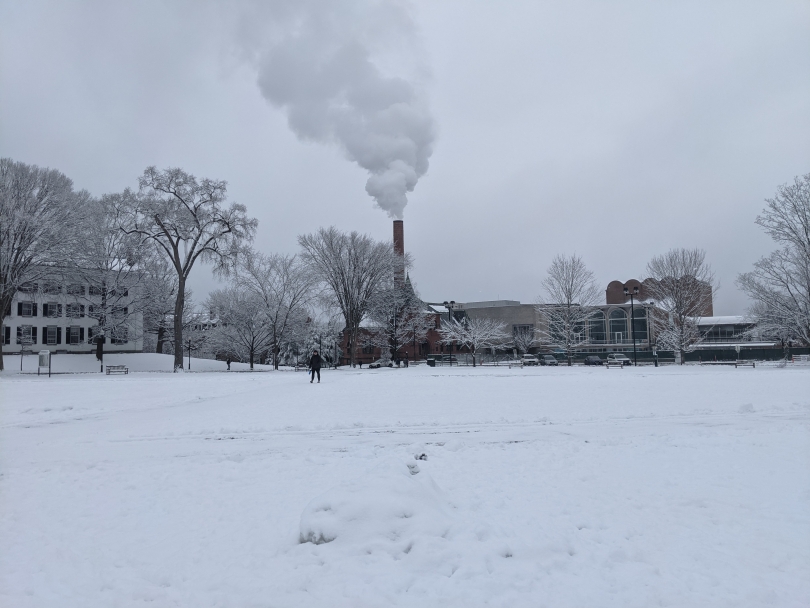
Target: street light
(632,293)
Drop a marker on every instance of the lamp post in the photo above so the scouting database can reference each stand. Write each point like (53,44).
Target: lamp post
(634,292)
(189,353)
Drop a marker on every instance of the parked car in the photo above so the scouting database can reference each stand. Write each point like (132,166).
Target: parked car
(548,360)
(593,360)
(529,359)
(381,363)
(619,358)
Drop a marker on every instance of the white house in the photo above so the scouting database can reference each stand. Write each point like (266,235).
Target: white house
(62,315)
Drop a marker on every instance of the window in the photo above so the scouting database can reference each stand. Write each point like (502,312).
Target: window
(28,288)
(119,311)
(50,334)
(75,334)
(119,335)
(74,311)
(96,290)
(640,324)
(51,288)
(75,289)
(618,324)
(26,335)
(26,309)
(51,309)
(596,327)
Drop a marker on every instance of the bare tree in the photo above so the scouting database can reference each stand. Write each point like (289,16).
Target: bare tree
(241,325)
(188,221)
(474,333)
(283,285)
(397,316)
(569,298)
(351,267)
(779,285)
(37,221)
(682,285)
(112,264)
(525,338)
(159,292)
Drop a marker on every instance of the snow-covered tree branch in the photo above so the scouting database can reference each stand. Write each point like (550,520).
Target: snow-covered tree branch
(682,285)
(351,268)
(396,317)
(38,212)
(285,287)
(474,333)
(568,301)
(779,285)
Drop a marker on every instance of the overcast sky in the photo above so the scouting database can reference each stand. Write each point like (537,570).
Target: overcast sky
(614,130)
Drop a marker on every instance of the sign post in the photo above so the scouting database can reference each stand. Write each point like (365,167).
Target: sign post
(44,361)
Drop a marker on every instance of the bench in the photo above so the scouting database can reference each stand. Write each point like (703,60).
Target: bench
(745,364)
(610,363)
(117,369)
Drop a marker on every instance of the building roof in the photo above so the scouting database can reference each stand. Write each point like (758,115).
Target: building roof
(726,320)
(491,304)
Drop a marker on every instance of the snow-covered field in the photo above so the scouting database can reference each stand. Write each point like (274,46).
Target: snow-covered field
(676,486)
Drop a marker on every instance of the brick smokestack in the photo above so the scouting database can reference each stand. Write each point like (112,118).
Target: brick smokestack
(399,249)
(399,239)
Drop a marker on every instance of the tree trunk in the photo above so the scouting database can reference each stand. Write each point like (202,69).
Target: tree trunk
(350,343)
(161,337)
(179,303)
(251,359)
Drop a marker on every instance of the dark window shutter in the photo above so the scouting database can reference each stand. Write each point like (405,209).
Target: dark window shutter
(19,309)
(7,335)
(81,334)
(34,307)
(44,335)
(19,335)
(45,310)
(58,310)
(59,335)
(33,335)
(126,310)
(81,310)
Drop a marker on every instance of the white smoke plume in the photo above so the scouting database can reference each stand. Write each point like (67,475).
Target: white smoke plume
(340,72)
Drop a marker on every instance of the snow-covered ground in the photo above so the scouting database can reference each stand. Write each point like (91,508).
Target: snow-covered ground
(676,486)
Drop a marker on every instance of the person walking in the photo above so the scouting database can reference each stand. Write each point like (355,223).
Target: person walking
(315,366)
(228,361)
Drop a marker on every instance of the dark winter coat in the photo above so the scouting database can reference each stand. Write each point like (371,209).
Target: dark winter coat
(315,362)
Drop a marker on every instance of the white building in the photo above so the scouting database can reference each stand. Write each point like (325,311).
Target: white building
(62,315)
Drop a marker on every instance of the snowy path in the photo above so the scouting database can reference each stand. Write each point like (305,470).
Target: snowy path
(566,487)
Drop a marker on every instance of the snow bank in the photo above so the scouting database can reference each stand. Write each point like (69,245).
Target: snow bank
(136,362)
